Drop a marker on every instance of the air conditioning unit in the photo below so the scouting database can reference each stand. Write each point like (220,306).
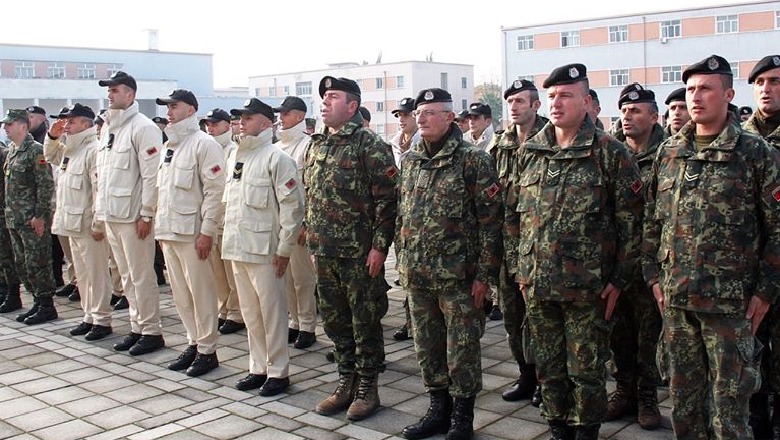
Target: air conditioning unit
(664,40)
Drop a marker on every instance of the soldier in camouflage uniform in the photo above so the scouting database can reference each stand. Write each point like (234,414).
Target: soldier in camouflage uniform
(578,204)
(11,299)
(711,237)
(522,99)
(637,321)
(449,253)
(350,182)
(765,122)
(29,188)
(678,112)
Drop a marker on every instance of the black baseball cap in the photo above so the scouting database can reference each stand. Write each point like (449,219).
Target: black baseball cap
(179,95)
(59,115)
(119,78)
(479,108)
(217,115)
(78,110)
(254,106)
(291,103)
(35,109)
(405,105)
(160,120)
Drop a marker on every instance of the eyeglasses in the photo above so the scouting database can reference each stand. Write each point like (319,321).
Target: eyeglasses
(428,113)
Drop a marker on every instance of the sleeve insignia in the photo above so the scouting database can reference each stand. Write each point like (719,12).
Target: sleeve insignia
(40,159)
(776,194)
(392,171)
(215,169)
(492,190)
(151,151)
(290,184)
(636,186)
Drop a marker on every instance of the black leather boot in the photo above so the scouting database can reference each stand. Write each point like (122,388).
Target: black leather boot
(588,432)
(759,416)
(12,301)
(435,421)
(559,430)
(46,312)
(22,316)
(776,417)
(462,420)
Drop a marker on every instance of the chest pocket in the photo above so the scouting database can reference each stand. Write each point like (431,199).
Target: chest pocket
(584,189)
(120,156)
(74,175)
(725,196)
(257,192)
(183,176)
(527,191)
(664,197)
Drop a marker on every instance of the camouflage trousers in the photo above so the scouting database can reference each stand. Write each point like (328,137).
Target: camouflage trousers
(33,257)
(352,305)
(513,309)
(571,345)
(7,263)
(635,331)
(769,335)
(447,328)
(713,372)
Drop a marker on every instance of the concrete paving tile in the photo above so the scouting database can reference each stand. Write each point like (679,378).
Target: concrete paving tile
(72,430)
(165,384)
(107,384)
(162,419)
(7,393)
(167,374)
(199,384)
(276,421)
(283,409)
(217,402)
(83,375)
(20,376)
(22,405)
(62,395)
(228,427)
(43,358)
(194,394)
(7,430)
(311,432)
(232,393)
(203,417)
(41,385)
(22,351)
(387,421)
(269,434)
(137,376)
(43,418)
(134,393)
(31,339)
(244,410)
(89,405)
(118,433)
(62,366)
(361,433)
(157,432)
(9,366)
(162,403)
(116,417)
(185,434)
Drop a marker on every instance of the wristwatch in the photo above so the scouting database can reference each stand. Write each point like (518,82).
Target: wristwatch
(146,219)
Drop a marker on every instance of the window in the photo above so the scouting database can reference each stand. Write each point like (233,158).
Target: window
(525,42)
(380,130)
(399,81)
(257,91)
(671,29)
(671,74)
(380,83)
(56,70)
(570,39)
(272,91)
(777,19)
(464,104)
(24,69)
(286,90)
(85,71)
(464,82)
(618,77)
(734,69)
(618,34)
(726,24)
(113,68)
(443,80)
(380,106)
(303,88)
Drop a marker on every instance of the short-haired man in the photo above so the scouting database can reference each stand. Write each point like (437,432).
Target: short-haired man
(594,109)
(29,188)
(744,113)
(301,277)
(678,112)
(350,181)
(462,119)
(217,122)
(481,131)
(522,100)
(710,245)
(366,116)
(637,321)
(128,160)
(74,220)
(579,201)
(190,183)
(765,122)
(264,211)
(449,243)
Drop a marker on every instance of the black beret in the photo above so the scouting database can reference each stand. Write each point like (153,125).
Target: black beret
(179,95)
(633,94)
(427,96)
(463,114)
(405,105)
(593,95)
(343,84)
(712,65)
(62,112)
(35,109)
(291,103)
(568,74)
(365,113)
(217,115)
(119,78)
(254,106)
(676,95)
(478,108)
(745,110)
(769,62)
(518,86)
(78,110)
(160,120)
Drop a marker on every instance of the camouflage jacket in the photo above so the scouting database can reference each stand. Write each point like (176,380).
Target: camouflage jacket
(644,160)
(350,183)
(3,155)
(450,215)
(578,215)
(712,221)
(750,126)
(506,156)
(29,185)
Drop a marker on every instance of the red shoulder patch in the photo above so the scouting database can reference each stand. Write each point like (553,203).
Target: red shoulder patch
(492,190)
(776,194)
(215,169)
(391,172)
(637,186)
(290,184)
(151,151)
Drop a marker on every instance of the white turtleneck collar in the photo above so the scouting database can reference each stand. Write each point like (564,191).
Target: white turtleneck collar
(179,130)
(292,134)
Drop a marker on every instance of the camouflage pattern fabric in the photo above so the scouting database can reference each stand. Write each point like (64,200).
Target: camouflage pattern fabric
(29,188)
(577,212)
(711,236)
(352,305)
(705,344)
(7,263)
(350,181)
(449,235)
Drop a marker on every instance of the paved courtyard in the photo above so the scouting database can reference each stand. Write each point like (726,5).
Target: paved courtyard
(57,387)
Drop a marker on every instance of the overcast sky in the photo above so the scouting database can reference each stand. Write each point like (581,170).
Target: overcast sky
(258,37)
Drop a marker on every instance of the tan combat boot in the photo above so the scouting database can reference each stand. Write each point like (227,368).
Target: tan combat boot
(649,415)
(622,402)
(341,398)
(366,399)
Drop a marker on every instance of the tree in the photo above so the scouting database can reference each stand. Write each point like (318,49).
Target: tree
(490,94)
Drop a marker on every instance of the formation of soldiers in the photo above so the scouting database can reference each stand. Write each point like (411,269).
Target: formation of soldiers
(594,242)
